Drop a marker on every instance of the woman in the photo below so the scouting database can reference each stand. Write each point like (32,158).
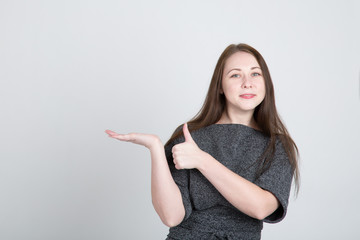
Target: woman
(230,168)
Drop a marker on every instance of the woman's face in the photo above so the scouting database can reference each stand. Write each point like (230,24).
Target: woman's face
(242,84)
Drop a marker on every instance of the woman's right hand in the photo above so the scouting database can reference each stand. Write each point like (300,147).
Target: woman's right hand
(147,140)
(165,194)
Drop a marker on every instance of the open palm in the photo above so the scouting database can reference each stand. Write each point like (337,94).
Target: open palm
(146,140)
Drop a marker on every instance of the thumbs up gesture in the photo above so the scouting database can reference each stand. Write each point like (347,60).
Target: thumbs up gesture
(188,155)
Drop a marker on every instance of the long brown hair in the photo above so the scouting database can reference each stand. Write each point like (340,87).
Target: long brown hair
(265,114)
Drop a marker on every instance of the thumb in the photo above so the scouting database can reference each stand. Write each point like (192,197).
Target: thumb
(187,134)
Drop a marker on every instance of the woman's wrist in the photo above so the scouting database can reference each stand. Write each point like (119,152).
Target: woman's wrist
(156,144)
(203,161)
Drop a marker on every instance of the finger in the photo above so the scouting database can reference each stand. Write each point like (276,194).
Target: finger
(175,148)
(176,164)
(123,137)
(187,134)
(177,167)
(110,132)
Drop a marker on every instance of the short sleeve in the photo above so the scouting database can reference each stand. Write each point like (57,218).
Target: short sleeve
(277,180)
(181,178)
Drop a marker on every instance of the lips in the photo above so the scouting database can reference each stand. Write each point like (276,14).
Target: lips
(247,95)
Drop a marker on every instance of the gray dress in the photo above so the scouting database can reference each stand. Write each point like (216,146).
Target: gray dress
(208,215)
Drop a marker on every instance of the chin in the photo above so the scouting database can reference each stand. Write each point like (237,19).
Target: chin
(248,108)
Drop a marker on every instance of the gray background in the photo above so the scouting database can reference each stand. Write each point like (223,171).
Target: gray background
(71,69)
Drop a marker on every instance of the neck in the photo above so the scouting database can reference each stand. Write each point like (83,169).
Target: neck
(246,119)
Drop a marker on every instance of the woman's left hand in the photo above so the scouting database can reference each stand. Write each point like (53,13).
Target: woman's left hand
(188,155)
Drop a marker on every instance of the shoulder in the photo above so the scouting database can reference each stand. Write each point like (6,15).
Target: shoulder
(281,146)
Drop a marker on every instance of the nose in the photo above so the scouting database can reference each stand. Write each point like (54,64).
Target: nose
(246,83)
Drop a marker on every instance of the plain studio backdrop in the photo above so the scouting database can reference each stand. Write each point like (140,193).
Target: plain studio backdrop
(69,70)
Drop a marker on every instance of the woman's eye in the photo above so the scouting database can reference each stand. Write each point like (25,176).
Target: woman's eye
(256,74)
(235,75)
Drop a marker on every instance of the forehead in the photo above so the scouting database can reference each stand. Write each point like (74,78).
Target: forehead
(241,60)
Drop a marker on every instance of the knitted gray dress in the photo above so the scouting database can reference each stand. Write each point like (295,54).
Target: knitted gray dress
(208,215)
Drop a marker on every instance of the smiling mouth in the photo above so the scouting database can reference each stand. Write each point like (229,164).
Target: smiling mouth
(247,96)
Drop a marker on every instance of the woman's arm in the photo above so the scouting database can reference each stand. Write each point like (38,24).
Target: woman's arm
(241,193)
(166,196)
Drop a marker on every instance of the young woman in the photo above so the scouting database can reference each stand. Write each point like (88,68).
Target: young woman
(230,168)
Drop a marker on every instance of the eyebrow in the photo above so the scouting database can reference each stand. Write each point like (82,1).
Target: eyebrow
(239,69)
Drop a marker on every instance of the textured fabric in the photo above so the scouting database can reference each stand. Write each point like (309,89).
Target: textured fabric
(208,215)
